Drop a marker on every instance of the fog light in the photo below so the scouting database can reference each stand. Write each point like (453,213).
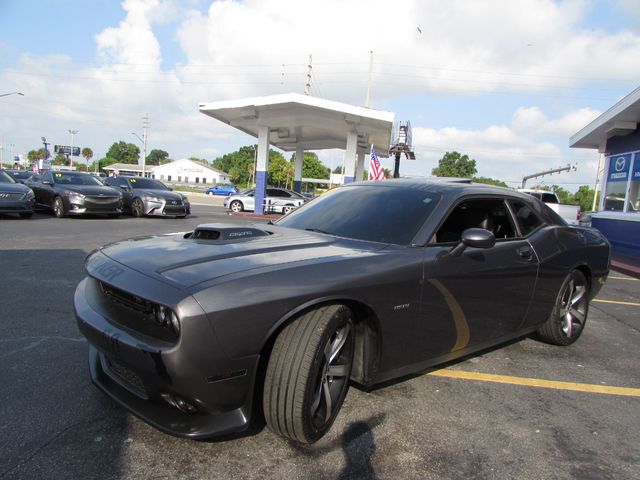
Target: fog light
(179,403)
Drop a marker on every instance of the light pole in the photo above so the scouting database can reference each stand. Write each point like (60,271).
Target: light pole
(44,141)
(12,93)
(144,147)
(72,132)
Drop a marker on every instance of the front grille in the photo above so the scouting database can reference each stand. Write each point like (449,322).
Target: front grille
(102,200)
(11,196)
(126,299)
(173,210)
(124,376)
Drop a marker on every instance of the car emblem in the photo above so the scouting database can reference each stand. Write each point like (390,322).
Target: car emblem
(4,195)
(620,161)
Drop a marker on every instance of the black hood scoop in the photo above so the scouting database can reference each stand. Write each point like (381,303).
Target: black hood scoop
(220,233)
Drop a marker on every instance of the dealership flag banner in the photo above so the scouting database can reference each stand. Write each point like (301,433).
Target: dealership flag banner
(375,169)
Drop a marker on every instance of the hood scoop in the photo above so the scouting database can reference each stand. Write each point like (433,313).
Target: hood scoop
(220,233)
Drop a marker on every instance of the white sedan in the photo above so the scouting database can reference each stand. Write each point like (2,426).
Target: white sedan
(277,200)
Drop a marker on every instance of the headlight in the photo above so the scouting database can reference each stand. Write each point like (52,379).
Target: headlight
(150,198)
(74,195)
(29,195)
(167,318)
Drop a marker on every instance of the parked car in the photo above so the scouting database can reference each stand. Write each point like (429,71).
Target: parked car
(147,196)
(15,197)
(19,175)
(222,189)
(74,193)
(368,283)
(570,213)
(277,200)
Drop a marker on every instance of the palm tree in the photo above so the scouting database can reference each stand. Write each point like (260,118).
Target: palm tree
(87,153)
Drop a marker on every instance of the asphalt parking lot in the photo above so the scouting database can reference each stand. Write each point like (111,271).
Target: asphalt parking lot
(525,410)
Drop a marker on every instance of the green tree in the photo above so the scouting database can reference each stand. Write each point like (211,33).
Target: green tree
(489,181)
(237,164)
(122,152)
(157,157)
(312,167)
(564,196)
(280,172)
(584,197)
(201,161)
(452,164)
(60,159)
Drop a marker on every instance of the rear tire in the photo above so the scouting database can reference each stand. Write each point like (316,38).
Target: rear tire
(236,206)
(308,373)
(569,315)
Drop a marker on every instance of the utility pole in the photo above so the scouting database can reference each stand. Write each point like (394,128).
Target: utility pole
(145,124)
(366,100)
(307,86)
(72,132)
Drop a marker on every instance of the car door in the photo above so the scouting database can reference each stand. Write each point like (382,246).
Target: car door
(46,187)
(122,185)
(483,294)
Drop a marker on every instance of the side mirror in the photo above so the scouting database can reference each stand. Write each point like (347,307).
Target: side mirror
(474,237)
(124,187)
(170,188)
(47,182)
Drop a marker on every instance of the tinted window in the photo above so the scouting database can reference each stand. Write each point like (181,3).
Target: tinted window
(527,220)
(488,213)
(6,178)
(148,183)
(367,212)
(549,198)
(73,178)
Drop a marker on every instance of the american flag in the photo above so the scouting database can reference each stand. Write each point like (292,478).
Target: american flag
(375,169)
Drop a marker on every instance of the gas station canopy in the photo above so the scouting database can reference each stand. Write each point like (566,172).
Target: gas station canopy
(300,121)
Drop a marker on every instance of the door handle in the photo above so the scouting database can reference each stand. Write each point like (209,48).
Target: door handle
(525,252)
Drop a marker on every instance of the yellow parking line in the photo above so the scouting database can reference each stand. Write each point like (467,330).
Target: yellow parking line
(535,382)
(616,302)
(624,278)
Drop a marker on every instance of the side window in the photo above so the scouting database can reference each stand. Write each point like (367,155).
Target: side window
(527,220)
(488,213)
(48,176)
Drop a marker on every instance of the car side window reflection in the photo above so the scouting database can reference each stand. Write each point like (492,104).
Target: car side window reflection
(488,213)
(527,220)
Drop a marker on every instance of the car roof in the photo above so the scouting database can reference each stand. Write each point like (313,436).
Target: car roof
(444,185)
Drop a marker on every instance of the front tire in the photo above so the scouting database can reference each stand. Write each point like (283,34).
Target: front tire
(58,207)
(236,206)
(137,207)
(569,314)
(308,373)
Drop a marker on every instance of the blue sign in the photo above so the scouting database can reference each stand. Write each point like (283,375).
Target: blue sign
(619,167)
(635,176)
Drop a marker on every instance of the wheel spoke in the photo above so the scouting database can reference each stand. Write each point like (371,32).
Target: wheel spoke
(577,314)
(578,295)
(327,401)
(338,370)
(316,398)
(338,343)
(567,325)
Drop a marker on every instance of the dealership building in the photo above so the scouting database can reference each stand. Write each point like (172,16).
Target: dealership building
(616,136)
(181,171)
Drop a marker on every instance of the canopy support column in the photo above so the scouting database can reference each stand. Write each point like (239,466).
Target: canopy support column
(350,157)
(262,166)
(297,172)
(360,167)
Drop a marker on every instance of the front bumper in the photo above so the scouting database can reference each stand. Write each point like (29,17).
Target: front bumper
(93,205)
(166,208)
(149,376)
(17,206)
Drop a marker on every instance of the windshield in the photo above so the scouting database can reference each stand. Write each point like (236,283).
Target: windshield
(6,178)
(377,213)
(148,183)
(74,178)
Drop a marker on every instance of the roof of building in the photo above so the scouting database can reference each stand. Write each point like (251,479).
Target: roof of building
(621,119)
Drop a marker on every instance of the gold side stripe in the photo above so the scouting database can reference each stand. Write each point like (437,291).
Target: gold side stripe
(625,278)
(535,382)
(616,302)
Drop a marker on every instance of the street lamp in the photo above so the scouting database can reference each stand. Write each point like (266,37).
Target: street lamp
(44,141)
(144,154)
(12,93)
(72,132)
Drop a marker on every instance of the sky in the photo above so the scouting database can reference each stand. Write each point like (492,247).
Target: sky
(505,82)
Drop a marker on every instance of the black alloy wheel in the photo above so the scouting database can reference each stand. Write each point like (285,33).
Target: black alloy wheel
(569,315)
(137,207)
(308,373)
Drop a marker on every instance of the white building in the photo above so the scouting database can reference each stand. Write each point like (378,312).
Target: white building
(187,171)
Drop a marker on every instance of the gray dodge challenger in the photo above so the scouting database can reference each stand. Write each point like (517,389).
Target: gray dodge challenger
(198,331)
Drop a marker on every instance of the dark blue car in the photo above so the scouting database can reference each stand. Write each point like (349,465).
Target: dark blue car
(222,189)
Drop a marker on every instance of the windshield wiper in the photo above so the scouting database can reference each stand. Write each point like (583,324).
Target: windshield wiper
(317,230)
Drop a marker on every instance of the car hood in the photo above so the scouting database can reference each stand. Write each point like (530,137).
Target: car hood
(95,190)
(184,261)
(165,194)
(13,188)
